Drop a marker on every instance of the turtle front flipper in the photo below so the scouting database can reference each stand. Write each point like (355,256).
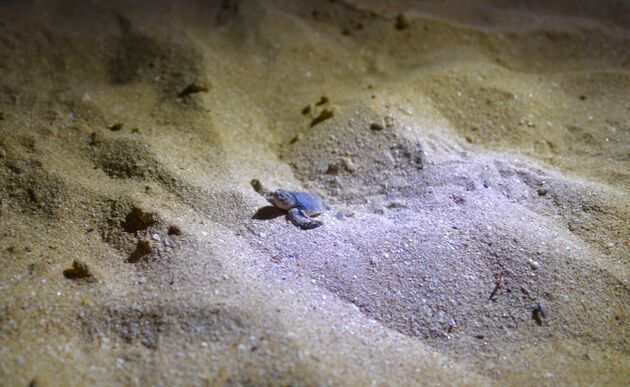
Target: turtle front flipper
(264,192)
(301,220)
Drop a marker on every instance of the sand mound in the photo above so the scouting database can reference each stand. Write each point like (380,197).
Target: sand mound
(354,157)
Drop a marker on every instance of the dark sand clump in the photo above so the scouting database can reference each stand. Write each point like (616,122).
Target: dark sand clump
(475,156)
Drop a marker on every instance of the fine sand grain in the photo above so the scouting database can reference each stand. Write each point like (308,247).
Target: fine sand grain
(476,157)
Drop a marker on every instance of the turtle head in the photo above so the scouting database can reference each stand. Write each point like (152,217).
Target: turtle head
(284,199)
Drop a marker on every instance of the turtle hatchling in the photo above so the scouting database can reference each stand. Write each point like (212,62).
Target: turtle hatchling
(300,205)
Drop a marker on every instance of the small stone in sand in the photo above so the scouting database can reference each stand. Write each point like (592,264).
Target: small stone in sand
(402,22)
(192,89)
(376,126)
(535,265)
(333,168)
(143,248)
(538,313)
(174,230)
(322,101)
(138,220)
(115,127)
(348,164)
(295,138)
(323,116)
(390,122)
(79,270)
(341,215)
(343,164)
(378,210)
(542,191)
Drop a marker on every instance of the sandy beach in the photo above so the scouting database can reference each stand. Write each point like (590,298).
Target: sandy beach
(475,156)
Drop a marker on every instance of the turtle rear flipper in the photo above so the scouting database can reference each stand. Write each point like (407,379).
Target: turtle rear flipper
(301,220)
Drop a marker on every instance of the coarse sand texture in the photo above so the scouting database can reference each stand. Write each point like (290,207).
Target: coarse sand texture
(475,156)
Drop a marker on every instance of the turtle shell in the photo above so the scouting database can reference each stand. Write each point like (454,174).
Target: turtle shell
(311,204)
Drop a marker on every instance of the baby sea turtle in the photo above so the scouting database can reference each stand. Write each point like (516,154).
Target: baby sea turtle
(300,205)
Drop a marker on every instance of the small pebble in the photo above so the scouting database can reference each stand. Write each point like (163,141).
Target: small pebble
(156,237)
(343,164)
(402,22)
(347,164)
(378,210)
(538,313)
(167,242)
(376,126)
(323,116)
(192,89)
(115,127)
(174,230)
(296,138)
(78,270)
(542,191)
(333,168)
(322,101)
(533,264)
